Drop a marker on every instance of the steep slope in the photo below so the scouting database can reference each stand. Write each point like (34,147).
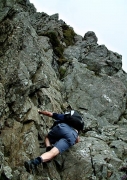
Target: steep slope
(45,64)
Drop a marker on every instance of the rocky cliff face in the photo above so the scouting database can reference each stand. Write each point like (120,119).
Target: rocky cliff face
(45,64)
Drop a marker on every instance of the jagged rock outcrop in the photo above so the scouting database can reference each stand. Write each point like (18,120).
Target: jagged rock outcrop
(45,64)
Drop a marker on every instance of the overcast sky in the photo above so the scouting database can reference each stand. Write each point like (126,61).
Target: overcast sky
(107,18)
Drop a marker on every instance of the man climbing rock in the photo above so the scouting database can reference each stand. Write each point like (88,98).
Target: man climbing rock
(62,136)
(124,169)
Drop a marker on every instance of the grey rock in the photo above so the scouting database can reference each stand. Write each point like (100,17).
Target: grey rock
(54,17)
(7,172)
(89,91)
(1,162)
(72,52)
(91,37)
(87,77)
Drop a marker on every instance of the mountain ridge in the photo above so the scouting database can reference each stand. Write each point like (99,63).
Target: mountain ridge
(45,64)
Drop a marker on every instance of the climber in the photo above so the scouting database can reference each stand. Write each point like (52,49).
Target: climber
(59,139)
(124,169)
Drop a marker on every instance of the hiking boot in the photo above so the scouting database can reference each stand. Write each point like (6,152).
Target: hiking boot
(31,165)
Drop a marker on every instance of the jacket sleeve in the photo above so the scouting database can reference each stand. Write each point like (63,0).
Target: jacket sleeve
(58,116)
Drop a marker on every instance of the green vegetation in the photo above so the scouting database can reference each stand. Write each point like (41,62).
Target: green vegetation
(62,71)
(53,38)
(59,51)
(69,34)
(57,47)
(62,61)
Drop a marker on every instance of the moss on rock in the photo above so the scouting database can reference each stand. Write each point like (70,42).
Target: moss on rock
(69,34)
(57,47)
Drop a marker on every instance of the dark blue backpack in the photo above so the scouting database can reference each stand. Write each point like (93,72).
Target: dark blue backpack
(74,119)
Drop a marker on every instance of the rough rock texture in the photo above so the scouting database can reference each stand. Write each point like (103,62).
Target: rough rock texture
(45,64)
